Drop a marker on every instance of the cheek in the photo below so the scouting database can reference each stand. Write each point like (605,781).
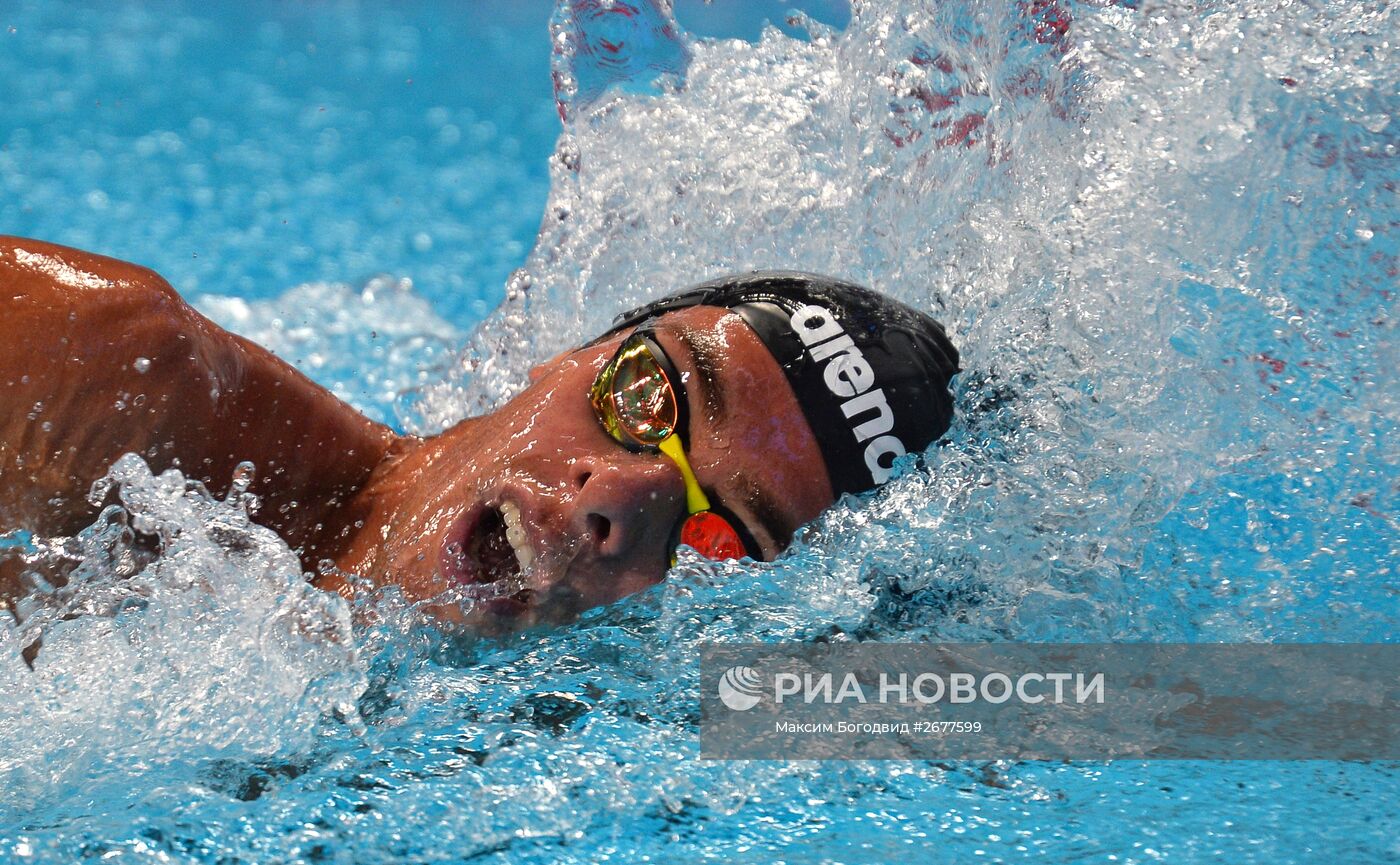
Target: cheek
(780,439)
(538,438)
(552,416)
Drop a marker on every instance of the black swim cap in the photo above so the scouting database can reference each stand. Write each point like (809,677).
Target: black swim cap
(870,373)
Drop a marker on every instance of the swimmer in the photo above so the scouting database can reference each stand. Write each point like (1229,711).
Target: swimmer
(722,418)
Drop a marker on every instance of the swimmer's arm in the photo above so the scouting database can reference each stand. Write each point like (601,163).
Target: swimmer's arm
(99,357)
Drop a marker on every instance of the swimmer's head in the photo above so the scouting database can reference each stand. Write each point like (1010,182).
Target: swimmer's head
(752,402)
(870,373)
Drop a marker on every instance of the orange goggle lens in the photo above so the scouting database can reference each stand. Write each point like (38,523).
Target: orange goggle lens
(711,535)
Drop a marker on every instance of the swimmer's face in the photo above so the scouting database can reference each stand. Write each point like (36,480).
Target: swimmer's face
(541,483)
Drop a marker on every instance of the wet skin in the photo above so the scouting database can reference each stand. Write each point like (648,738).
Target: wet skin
(339,488)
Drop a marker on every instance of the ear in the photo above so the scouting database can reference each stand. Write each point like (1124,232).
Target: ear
(539,370)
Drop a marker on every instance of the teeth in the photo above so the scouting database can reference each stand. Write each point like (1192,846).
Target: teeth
(524,553)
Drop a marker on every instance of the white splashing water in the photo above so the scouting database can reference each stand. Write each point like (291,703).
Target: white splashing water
(215,647)
(1164,242)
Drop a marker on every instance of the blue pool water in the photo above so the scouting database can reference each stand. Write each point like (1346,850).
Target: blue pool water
(1165,240)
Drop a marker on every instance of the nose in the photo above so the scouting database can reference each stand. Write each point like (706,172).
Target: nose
(626,504)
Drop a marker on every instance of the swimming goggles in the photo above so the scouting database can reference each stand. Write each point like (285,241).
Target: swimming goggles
(635,399)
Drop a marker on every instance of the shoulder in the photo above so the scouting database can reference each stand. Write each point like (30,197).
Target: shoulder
(61,306)
(35,272)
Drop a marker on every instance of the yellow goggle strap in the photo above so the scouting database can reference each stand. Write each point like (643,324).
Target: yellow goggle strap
(695,499)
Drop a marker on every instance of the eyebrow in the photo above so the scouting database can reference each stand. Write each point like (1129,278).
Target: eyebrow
(757,500)
(706,362)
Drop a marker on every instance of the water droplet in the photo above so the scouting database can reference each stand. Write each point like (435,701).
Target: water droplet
(1376,122)
(519,284)
(568,153)
(97,493)
(141,364)
(243,475)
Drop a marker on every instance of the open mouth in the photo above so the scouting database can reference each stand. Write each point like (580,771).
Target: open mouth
(493,552)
